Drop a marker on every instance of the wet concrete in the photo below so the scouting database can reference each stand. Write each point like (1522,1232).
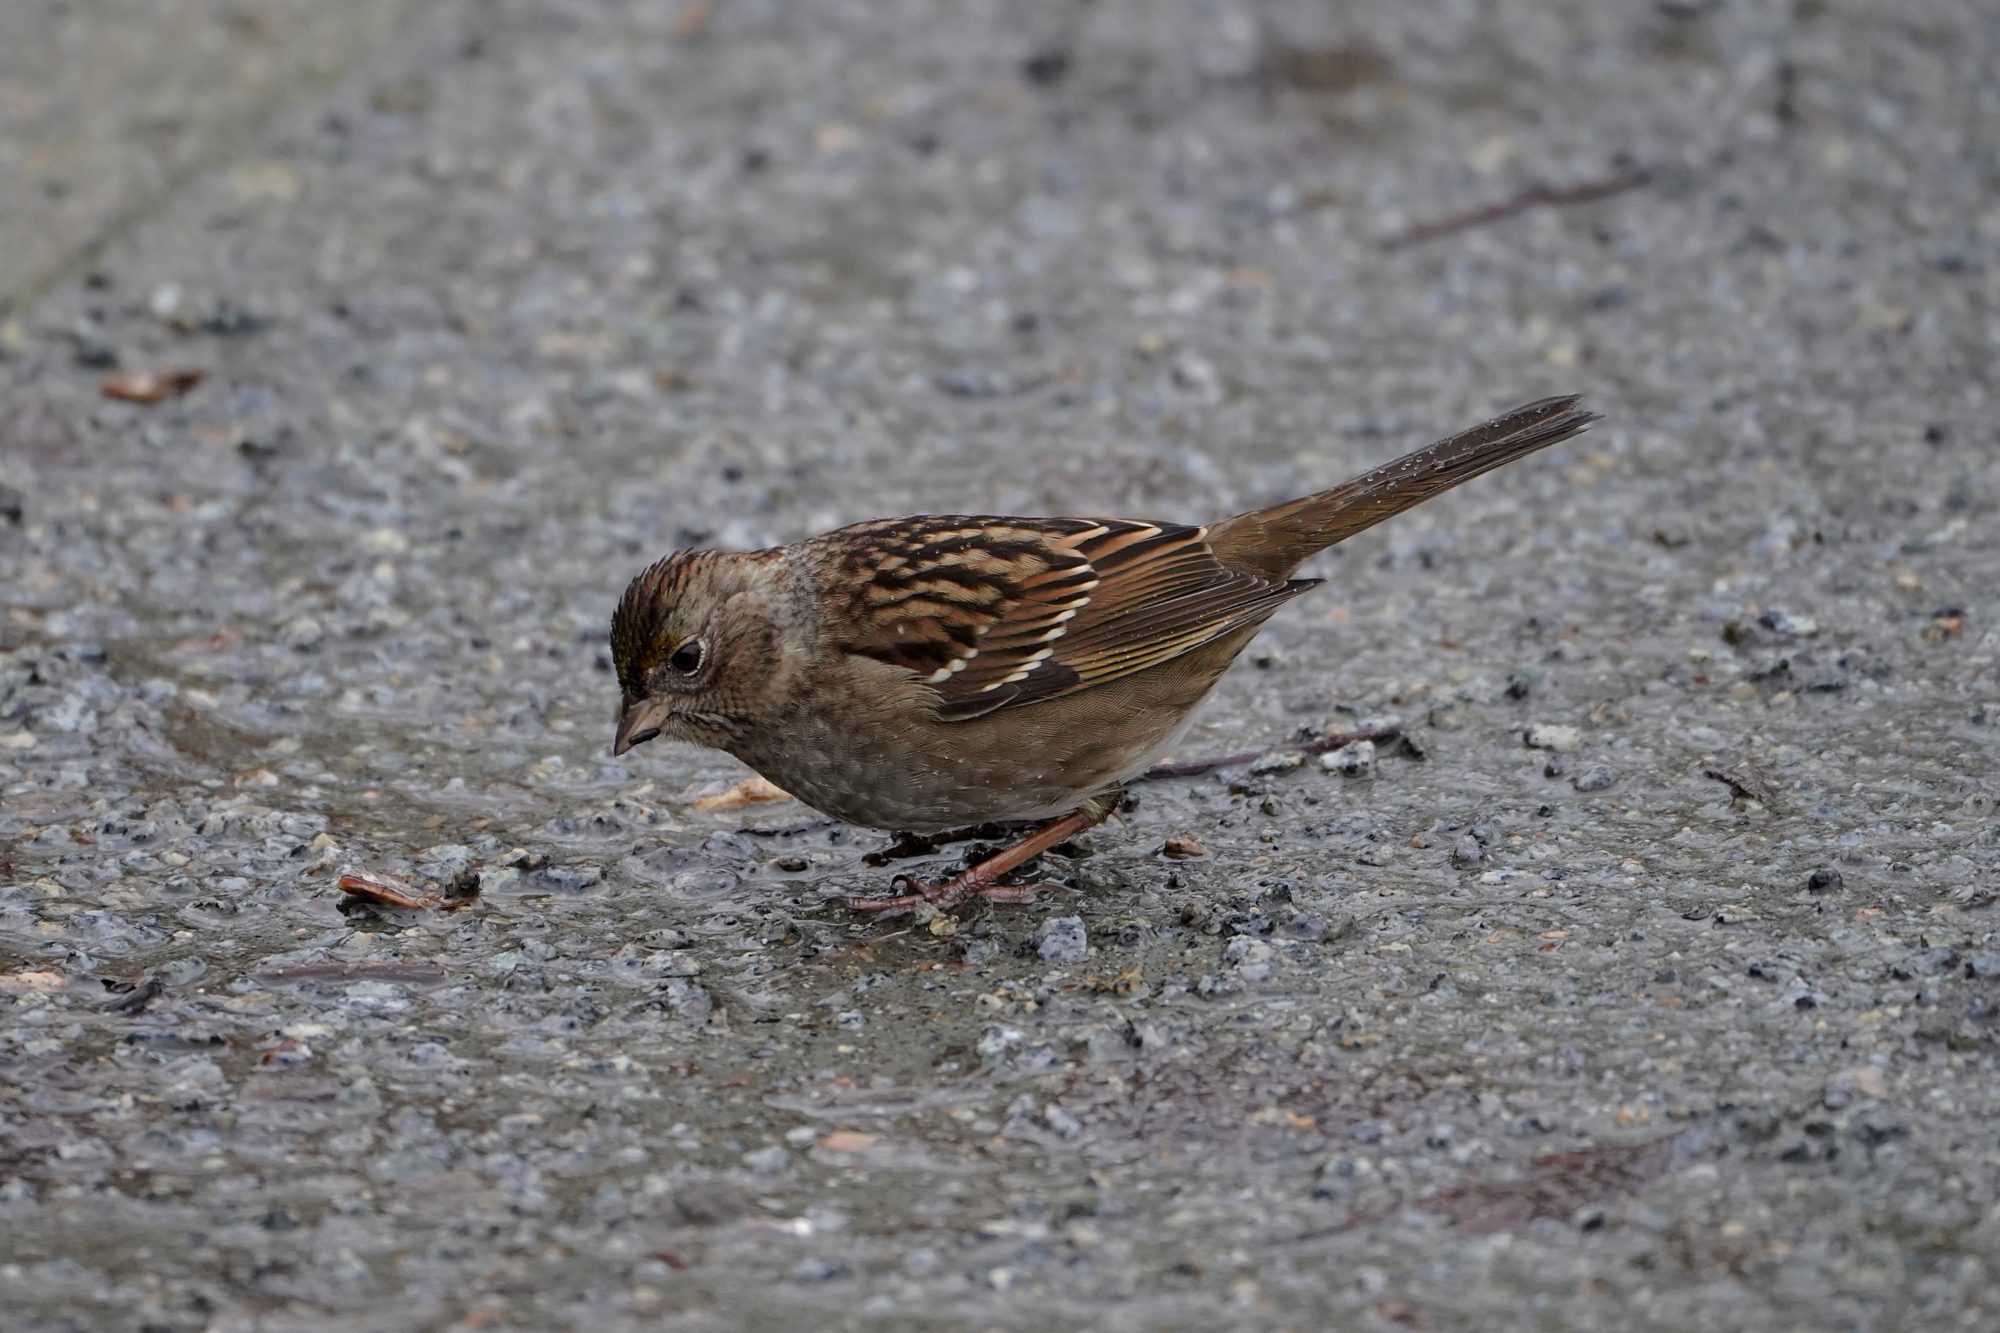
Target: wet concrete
(1682,1015)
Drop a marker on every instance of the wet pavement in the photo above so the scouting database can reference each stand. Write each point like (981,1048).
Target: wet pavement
(1651,983)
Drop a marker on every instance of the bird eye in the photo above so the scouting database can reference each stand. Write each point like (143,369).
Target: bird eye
(687,658)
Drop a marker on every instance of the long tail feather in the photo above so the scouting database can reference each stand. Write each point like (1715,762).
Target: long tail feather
(1275,541)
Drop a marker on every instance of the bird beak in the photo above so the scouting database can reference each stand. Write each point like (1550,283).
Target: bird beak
(639,723)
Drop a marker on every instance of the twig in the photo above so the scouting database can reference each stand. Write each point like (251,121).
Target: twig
(1538,194)
(1194,768)
(386,894)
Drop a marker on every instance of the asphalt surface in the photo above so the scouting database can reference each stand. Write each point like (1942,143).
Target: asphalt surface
(1652,984)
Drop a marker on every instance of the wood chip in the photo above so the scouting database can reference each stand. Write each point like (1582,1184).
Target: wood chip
(388,894)
(750,791)
(41,981)
(846,1140)
(1944,625)
(149,386)
(693,19)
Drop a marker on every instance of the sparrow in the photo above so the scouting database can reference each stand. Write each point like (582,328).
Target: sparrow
(929,673)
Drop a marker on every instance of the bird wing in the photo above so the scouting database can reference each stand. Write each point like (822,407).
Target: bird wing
(1006,612)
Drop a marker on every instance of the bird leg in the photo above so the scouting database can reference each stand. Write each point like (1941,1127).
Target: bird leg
(983,879)
(1194,768)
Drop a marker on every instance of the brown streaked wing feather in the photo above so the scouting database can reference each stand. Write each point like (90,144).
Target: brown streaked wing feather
(937,595)
(1163,592)
(995,612)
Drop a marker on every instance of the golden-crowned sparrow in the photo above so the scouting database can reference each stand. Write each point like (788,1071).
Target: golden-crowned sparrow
(933,672)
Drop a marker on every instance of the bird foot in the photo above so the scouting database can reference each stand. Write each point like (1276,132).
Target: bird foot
(983,880)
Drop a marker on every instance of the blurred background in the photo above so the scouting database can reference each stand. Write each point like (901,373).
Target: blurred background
(353,357)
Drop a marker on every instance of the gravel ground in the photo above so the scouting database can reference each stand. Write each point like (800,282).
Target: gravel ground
(1653,984)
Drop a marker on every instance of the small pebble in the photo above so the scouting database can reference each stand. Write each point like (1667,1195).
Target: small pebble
(817,1268)
(769,1161)
(1850,1084)
(1181,848)
(1447,717)
(302,634)
(1551,736)
(1596,777)
(1781,622)
(1356,760)
(1824,880)
(1250,957)
(1308,926)
(1062,939)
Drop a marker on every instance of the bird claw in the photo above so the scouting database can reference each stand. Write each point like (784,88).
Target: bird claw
(919,892)
(982,881)
(900,905)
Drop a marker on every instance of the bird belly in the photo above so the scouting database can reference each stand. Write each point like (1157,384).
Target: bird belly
(918,774)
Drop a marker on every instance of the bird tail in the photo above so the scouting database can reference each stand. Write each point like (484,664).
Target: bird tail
(1275,541)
